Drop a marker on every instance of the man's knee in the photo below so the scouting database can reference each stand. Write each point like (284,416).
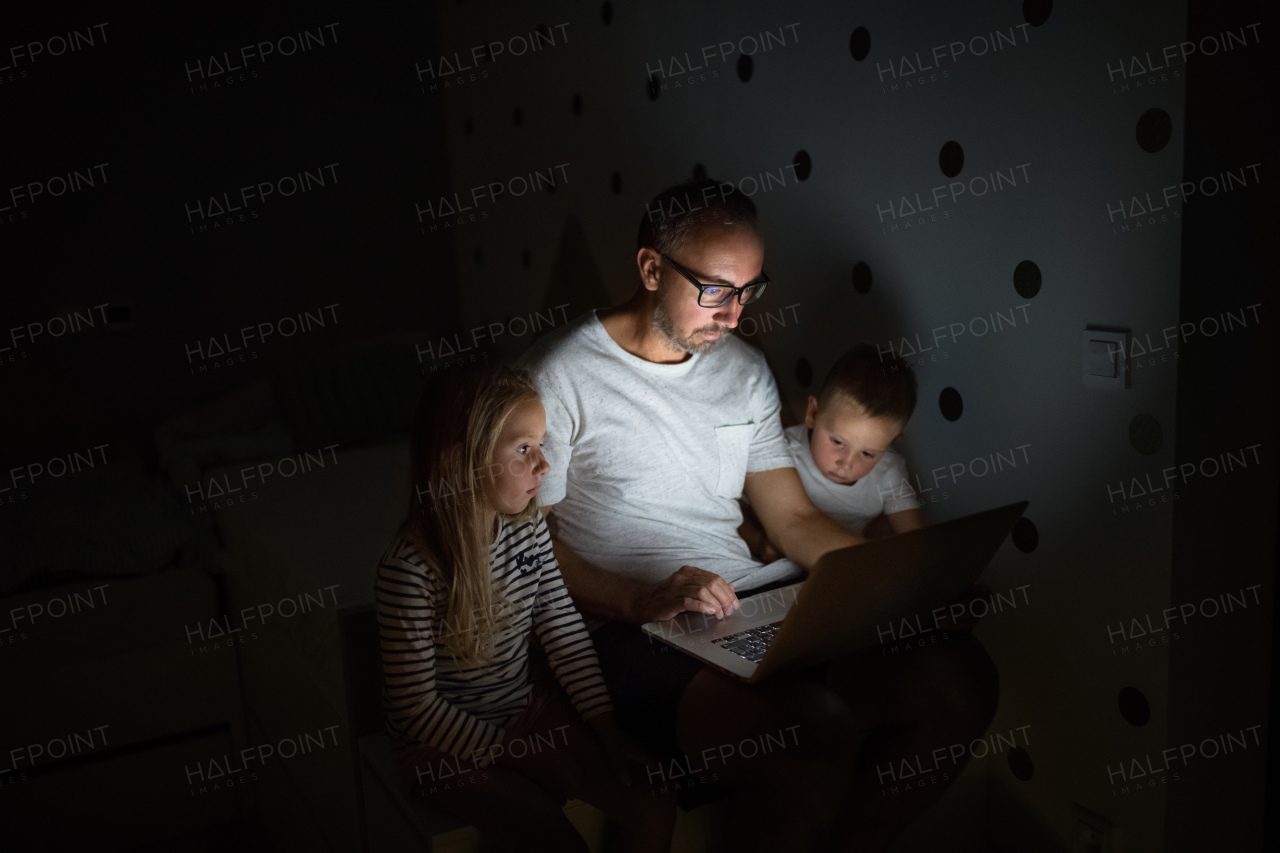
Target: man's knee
(771,730)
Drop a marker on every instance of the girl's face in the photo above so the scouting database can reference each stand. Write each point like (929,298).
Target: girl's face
(518,464)
(845,443)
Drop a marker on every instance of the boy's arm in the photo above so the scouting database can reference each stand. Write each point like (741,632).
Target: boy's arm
(799,529)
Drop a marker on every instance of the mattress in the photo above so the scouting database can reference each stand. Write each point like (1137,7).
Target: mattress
(111,652)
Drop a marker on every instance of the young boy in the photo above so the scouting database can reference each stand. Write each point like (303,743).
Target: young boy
(842,450)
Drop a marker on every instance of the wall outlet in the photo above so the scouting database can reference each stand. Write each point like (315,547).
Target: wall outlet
(1090,832)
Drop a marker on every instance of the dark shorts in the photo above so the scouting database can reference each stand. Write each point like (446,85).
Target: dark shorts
(646,679)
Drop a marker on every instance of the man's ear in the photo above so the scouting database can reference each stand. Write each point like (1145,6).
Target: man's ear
(647,262)
(811,412)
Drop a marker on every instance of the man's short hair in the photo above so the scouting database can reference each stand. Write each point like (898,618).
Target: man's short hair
(674,213)
(884,386)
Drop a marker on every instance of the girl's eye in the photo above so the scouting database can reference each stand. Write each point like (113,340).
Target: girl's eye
(523,448)
(836,443)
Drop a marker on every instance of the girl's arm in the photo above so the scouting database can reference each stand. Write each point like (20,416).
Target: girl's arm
(405,596)
(564,638)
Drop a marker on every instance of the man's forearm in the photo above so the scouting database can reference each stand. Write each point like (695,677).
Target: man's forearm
(595,590)
(810,535)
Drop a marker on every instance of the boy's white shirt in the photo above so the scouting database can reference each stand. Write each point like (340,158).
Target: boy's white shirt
(884,488)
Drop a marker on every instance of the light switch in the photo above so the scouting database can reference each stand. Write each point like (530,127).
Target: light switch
(1100,358)
(1106,358)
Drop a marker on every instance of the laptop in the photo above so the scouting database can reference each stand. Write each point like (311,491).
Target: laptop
(848,602)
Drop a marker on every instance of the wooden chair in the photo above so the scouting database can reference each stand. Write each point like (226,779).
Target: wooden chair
(390,820)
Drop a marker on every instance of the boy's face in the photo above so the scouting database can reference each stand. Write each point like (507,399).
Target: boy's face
(845,443)
(519,455)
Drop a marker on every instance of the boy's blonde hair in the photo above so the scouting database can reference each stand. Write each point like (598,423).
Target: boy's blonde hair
(459,418)
(882,386)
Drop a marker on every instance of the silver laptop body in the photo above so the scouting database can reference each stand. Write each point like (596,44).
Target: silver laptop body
(850,594)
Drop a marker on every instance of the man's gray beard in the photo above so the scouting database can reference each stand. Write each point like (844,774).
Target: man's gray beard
(666,329)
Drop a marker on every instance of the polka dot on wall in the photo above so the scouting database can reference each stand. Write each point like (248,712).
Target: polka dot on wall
(1020,764)
(803,164)
(1025,536)
(468,126)
(653,87)
(861,277)
(518,117)
(699,172)
(577,105)
(526,259)
(804,372)
(1154,129)
(606,13)
(951,159)
(860,43)
(951,404)
(615,183)
(745,66)
(1026,279)
(1036,12)
(1145,434)
(476,255)
(1134,707)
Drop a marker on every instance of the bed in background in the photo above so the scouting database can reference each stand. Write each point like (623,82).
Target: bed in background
(299,539)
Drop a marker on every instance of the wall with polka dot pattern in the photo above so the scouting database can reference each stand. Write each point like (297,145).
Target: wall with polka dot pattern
(933,178)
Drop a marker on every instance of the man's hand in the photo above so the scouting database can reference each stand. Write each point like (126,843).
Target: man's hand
(690,588)
(964,620)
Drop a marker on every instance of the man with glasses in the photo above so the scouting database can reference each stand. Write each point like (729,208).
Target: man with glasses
(658,420)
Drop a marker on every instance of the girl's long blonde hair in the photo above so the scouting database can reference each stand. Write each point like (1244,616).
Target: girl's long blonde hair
(456,427)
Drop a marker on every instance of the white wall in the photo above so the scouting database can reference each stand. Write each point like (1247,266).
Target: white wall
(1046,104)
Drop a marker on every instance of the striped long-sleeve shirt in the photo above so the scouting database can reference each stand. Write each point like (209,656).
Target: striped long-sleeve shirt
(461,708)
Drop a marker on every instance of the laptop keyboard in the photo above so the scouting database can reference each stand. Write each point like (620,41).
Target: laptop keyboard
(751,643)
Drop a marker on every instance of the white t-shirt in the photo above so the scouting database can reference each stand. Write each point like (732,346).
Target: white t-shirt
(647,460)
(883,489)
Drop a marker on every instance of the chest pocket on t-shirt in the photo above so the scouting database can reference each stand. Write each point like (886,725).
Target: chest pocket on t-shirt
(732,445)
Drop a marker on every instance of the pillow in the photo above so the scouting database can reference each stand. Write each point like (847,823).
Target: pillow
(107,521)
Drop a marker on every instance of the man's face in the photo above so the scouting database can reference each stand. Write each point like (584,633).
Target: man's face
(845,443)
(715,254)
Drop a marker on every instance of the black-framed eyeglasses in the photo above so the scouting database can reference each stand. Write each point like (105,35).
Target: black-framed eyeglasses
(715,295)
